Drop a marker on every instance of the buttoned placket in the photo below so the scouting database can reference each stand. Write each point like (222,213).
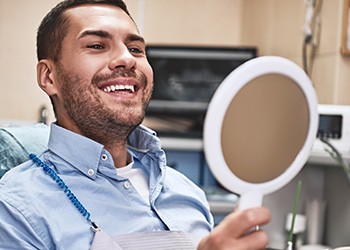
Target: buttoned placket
(127,184)
(91,172)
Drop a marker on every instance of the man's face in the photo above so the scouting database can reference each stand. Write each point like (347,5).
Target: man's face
(104,79)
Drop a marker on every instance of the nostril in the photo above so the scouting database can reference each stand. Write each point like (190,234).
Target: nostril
(123,60)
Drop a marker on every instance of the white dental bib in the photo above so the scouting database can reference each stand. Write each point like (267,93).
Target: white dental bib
(162,240)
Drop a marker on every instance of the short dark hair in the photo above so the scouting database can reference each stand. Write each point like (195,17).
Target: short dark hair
(54,26)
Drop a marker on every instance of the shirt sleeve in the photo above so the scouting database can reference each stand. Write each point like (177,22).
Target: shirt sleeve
(15,230)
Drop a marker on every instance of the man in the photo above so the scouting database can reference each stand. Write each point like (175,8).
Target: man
(101,164)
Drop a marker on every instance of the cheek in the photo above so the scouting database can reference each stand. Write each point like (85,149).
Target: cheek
(149,74)
(87,69)
(85,66)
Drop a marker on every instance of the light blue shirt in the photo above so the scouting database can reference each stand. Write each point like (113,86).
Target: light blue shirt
(35,213)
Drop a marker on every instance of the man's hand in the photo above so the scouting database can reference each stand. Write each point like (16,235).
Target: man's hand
(231,233)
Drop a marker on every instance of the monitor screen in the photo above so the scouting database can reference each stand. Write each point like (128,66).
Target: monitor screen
(185,79)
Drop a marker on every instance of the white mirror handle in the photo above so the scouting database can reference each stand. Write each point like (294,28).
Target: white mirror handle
(250,199)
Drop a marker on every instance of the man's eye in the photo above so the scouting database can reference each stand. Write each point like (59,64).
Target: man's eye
(96,46)
(135,50)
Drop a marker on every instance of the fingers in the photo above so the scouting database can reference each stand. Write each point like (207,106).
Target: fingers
(240,222)
(255,240)
(253,217)
(231,233)
(217,241)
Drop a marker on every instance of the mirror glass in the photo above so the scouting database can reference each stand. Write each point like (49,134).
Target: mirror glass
(264,128)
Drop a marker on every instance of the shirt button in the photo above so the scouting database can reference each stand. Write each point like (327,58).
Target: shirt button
(104,157)
(91,172)
(127,185)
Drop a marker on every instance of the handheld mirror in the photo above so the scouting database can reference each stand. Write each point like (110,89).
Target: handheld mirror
(260,127)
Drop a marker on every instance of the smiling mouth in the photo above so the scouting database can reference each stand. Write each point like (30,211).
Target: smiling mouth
(120,88)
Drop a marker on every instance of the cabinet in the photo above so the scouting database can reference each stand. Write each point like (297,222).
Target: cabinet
(193,165)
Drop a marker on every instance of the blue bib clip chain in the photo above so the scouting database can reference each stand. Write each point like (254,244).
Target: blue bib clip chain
(66,190)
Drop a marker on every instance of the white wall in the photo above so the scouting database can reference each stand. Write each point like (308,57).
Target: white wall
(200,22)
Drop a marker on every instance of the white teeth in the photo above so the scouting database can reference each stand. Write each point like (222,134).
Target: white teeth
(113,88)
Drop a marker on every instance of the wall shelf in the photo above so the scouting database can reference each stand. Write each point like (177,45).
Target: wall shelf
(317,156)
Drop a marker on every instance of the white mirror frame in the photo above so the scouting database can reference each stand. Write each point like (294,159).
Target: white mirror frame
(251,194)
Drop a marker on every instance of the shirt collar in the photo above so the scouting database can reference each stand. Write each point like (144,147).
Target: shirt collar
(144,139)
(85,154)
(81,152)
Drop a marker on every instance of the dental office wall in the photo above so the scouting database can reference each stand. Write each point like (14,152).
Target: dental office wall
(274,26)
(160,22)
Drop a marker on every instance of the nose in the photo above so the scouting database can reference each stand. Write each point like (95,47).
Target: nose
(122,58)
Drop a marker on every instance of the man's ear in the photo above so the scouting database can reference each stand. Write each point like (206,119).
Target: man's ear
(46,77)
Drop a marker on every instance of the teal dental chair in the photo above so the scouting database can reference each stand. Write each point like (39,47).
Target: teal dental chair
(16,142)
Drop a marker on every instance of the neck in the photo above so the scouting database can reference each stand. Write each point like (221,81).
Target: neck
(120,154)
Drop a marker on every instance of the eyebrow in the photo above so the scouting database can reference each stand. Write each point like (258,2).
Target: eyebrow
(99,33)
(135,37)
(104,34)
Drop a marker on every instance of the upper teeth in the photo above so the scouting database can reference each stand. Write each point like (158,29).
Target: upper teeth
(112,88)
